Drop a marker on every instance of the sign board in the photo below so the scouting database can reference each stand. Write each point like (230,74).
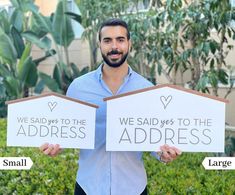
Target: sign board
(144,120)
(51,118)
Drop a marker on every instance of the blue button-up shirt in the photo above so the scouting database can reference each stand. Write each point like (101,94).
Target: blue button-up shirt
(101,172)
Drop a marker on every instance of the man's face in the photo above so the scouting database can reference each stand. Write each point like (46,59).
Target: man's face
(114,45)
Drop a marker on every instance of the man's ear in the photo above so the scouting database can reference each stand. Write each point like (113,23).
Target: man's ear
(99,43)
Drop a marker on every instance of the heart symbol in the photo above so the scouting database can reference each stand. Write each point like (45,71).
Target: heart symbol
(166,100)
(52,105)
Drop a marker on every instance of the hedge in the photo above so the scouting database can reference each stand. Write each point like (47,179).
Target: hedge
(185,175)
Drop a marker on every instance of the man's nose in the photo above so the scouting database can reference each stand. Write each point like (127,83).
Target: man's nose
(114,45)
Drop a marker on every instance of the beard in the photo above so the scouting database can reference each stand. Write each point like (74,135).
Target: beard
(114,63)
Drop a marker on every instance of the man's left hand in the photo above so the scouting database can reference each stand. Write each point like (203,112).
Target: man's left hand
(168,153)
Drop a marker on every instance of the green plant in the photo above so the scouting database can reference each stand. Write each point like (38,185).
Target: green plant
(185,175)
(171,38)
(21,30)
(186,38)
(59,27)
(18,70)
(230,145)
(46,176)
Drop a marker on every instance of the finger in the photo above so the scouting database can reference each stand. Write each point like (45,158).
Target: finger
(171,152)
(169,149)
(48,150)
(164,147)
(43,147)
(178,152)
(166,157)
(55,150)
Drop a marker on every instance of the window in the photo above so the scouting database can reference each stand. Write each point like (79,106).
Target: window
(232,79)
(78,29)
(70,5)
(232,3)
(232,23)
(8,8)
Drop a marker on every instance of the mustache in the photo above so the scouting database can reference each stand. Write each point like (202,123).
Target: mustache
(113,52)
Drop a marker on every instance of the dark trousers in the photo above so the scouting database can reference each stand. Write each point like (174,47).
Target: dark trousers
(79,191)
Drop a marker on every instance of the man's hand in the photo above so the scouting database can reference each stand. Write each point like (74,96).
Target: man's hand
(168,153)
(50,149)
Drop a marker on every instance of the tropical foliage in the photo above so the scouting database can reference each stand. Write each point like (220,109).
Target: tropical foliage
(19,32)
(18,69)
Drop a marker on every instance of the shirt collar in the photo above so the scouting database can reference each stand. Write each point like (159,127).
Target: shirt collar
(99,72)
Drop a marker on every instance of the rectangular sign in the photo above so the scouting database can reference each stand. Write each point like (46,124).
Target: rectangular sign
(55,119)
(146,120)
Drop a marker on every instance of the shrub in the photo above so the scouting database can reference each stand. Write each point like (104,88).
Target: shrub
(46,176)
(185,175)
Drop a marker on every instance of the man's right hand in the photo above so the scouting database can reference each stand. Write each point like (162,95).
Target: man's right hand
(50,149)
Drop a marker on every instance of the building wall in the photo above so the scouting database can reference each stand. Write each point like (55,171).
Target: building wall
(78,54)
(46,7)
(230,107)
(4,2)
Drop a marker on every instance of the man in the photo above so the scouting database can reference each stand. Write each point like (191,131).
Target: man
(101,172)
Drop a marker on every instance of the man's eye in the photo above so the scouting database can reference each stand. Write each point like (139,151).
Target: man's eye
(106,41)
(121,40)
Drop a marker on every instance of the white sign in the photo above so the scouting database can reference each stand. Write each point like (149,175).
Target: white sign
(15,163)
(144,120)
(51,118)
(219,163)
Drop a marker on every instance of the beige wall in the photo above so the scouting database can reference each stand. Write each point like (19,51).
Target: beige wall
(78,50)
(230,107)
(46,7)
(4,2)
(78,54)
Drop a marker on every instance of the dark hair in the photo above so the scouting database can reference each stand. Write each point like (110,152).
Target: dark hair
(114,22)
